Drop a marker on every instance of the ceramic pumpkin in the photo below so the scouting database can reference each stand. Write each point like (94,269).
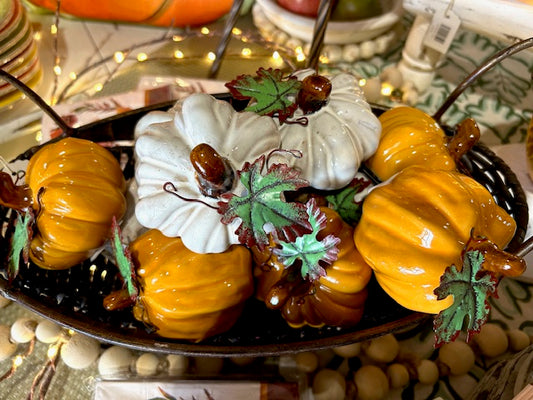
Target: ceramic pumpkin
(78,187)
(336,299)
(186,295)
(418,223)
(337,137)
(164,144)
(160,12)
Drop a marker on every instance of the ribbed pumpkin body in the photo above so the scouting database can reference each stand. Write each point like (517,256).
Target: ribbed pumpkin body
(336,299)
(416,225)
(78,188)
(409,137)
(188,295)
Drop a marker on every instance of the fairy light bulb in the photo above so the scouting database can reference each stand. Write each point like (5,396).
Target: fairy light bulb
(362,82)
(98,87)
(205,30)
(142,57)
(72,75)
(386,89)
(53,29)
(211,56)
(52,351)
(17,361)
(246,52)
(178,54)
(300,56)
(236,31)
(57,70)
(119,57)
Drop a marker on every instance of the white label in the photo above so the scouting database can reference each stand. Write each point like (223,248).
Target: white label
(442,30)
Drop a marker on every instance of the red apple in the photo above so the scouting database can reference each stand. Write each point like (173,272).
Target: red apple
(308,8)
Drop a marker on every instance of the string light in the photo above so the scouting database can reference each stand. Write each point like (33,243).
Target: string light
(53,29)
(98,87)
(57,70)
(205,30)
(73,76)
(178,54)
(246,52)
(119,57)
(142,57)
(211,56)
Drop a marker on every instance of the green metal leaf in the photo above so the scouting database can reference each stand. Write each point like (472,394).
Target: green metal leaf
(273,94)
(344,203)
(471,288)
(20,242)
(124,261)
(263,207)
(310,251)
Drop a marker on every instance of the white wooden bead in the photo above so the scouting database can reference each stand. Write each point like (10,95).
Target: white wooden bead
(351,53)
(349,350)
(48,331)
(371,382)
(177,364)
(428,372)
(23,330)
(372,89)
(458,356)
(306,361)
(491,340)
(368,49)
(382,349)
(116,361)
(4,301)
(518,340)
(7,347)
(80,351)
(147,364)
(333,53)
(398,375)
(329,385)
(393,76)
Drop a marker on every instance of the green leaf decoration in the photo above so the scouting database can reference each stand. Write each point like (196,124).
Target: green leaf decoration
(263,207)
(124,261)
(20,242)
(308,249)
(471,288)
(273,94)
(343,201)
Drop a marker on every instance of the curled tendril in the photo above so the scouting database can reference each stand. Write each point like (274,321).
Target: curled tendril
(169,187)
(304,121)
(295,153)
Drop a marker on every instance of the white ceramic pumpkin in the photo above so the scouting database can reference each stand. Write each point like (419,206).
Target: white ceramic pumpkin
(336,139)
(164,141)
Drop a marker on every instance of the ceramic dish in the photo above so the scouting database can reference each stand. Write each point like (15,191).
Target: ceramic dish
(74,297)
(338,32)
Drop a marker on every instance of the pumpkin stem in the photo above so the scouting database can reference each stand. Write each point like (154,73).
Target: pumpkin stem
(214,173)
(496,260)
(466,135)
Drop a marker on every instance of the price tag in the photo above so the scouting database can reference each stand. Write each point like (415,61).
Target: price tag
(442,30)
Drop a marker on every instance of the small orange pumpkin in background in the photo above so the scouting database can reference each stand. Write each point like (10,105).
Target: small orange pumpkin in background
(336,299)
(167,13)
(78,187)
(187,295)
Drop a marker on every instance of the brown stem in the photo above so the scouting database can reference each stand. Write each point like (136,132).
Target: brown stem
(324,13)
(486,66)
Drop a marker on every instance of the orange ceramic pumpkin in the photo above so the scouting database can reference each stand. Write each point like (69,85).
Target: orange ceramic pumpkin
(415,226)
(78,188)
(187,295)
(152,12)
(336,299)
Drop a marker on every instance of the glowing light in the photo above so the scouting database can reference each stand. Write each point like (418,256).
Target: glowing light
(246,52)
(53,29)
(52,351)
(104,274)
(98,87)
(211,56)
(204,30)
(57,70)
(386,89)
(37,36)
(178,54)
(17,361)
(236,31)
(142,57)
(73,76)
(39,136)
(323,59)
(276,55)
(177,38)
(93,268)
(362,82)
(300,56)
(119,57)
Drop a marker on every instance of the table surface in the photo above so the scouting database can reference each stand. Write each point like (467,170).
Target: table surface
(501,102)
